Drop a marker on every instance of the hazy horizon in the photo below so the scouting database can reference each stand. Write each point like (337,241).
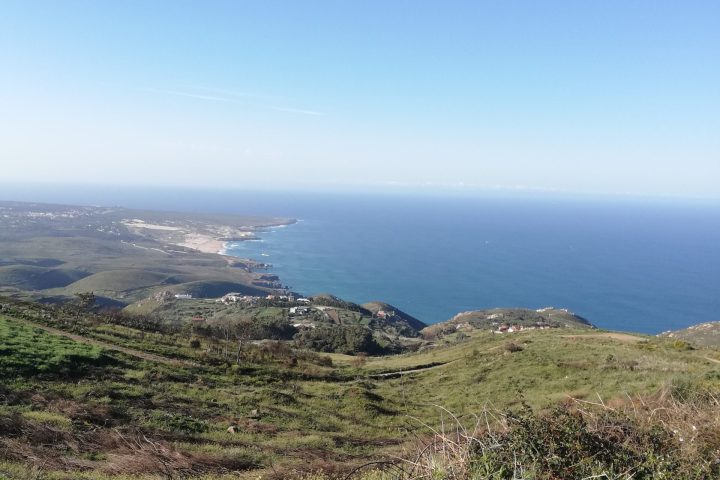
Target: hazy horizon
(618,98)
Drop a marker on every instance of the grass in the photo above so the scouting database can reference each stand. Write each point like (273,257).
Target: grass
(27,351)
(293,414)
(32,277)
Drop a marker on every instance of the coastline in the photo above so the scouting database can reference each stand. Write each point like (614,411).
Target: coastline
(203,243)
(206,243)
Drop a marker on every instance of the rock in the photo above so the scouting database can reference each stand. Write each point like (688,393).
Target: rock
(232,429)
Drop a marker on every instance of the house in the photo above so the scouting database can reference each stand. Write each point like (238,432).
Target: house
(183,296)
(232,297)
(299,310)
(303,325)
(303,300)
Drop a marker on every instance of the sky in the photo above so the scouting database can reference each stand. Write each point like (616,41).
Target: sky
(609,97)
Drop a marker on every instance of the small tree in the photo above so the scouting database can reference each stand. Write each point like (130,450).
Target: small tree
(85,300)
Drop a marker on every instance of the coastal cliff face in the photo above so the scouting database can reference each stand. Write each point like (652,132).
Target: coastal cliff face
(267,281)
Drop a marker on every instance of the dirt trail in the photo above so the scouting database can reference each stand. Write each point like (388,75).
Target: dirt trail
(422,368)
(109,346)
(621,337)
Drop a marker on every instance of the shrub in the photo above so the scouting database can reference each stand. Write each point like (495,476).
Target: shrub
(681,345)
(660,436)
(341,339)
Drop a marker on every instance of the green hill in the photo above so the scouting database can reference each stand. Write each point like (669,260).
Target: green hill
(30,277)
(117,281)
(501,319)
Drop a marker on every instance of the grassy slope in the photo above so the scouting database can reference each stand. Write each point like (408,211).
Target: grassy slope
(552,365)
(309,413)
(701,335)
(32,277)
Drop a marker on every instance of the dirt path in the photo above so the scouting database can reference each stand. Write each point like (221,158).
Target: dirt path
(621,337)
(712,359)
(423,368)
(109,346)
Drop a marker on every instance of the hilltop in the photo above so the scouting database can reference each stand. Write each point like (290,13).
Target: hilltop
(701,335)
(507,320)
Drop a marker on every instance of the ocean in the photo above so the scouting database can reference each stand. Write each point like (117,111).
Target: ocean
(628,265)
(623,263)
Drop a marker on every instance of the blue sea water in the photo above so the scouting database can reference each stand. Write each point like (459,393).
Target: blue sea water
(622,263)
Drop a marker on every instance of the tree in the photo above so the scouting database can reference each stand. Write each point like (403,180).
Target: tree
(84,302)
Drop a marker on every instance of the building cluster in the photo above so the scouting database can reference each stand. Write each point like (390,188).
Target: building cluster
(283,298)
(251,300)
(299,310)
(233,298)
(385,314)
(506,328)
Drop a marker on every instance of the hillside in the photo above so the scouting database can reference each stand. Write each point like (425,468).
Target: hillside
(52,252)
(323,322)
(700,335)
(393,316)
(504,319)
(107,397)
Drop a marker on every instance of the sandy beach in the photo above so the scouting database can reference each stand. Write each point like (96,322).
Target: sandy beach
(204,243)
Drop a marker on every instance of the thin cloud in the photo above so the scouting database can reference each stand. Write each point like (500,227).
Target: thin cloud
(296,110)
(226,99)
(193,95)
(234,93)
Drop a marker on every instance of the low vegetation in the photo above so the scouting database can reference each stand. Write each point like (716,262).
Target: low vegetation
(27,351)
(94,395)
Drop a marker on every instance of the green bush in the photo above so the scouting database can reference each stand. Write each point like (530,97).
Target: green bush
(564,444)
(341,339)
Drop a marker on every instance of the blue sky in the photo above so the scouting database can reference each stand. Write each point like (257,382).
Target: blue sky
(602,97)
